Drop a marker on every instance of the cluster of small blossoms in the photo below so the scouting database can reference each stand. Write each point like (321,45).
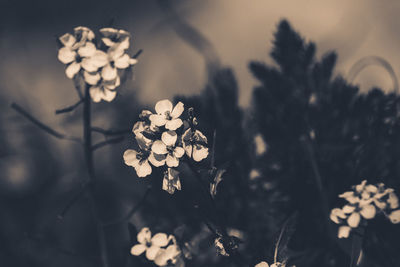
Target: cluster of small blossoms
(364,203)
(163,139)
(160,248)
(97,61)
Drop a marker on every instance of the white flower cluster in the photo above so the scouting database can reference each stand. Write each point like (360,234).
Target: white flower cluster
(97,62)
(365,201)
(161,144)
(276,264)
(160,248)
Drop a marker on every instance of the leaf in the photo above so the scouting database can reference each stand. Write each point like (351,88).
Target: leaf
(217,180)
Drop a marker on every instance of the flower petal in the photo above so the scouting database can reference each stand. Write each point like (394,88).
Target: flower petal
(72,69)
(157,160)
(344,231)
(158,120)
(178,110)
(96,61)
(152,252)
(200,153)
(91,78)
(159,147)
(354,220)
(395,217)
(87,50)
(144,236)
(130,158)
(143,169)
(108,95)
(172,161)
(66,55)
(163,106)
(393,201)
(348,209)
(262,264)
(173,124)
(169,138)
(179,152)
(109,73)
(67,40)
(138,249)
(368,212)
(95,93)
(122,62)
(160,240)
(133,61)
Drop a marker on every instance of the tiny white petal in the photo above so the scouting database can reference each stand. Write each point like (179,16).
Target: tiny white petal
(344,231)
(169,138)
(72,69)
(163,106)
(138,249)
(354,220)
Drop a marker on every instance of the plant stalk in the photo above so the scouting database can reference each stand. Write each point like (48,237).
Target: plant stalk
(87,143)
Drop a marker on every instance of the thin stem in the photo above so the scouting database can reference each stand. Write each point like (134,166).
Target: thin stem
(132,211)
(87,134)
(73,200)
(43,126)
(213,149)
(111,132)
(138,53)
(107,142)
(70,108)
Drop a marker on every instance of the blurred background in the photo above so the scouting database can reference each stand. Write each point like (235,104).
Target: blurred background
(39,173)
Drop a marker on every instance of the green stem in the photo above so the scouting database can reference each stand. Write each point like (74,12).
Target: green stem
(87,142)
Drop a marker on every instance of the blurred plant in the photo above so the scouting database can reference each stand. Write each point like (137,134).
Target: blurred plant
(93,63)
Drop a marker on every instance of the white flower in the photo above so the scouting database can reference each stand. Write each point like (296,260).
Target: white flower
(167,115)
(151,245)
(168,255)
(76,48)
(262,264)
(140,159)
(171,181)
(167,146)
(194,144)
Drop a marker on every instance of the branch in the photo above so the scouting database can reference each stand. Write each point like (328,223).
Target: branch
(111,132)
(131,212)
(138,53)
(107,142)
(43,126)
(70,108)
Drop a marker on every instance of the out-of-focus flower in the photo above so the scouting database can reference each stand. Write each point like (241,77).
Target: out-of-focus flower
(75,49)
(168,255)
(171,181)
(167,115)
(167,146)
(151,245)
(194,143)
(261,146)
(140,159)
(365,202)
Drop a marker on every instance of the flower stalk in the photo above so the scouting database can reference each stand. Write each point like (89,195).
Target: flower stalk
(87,143)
